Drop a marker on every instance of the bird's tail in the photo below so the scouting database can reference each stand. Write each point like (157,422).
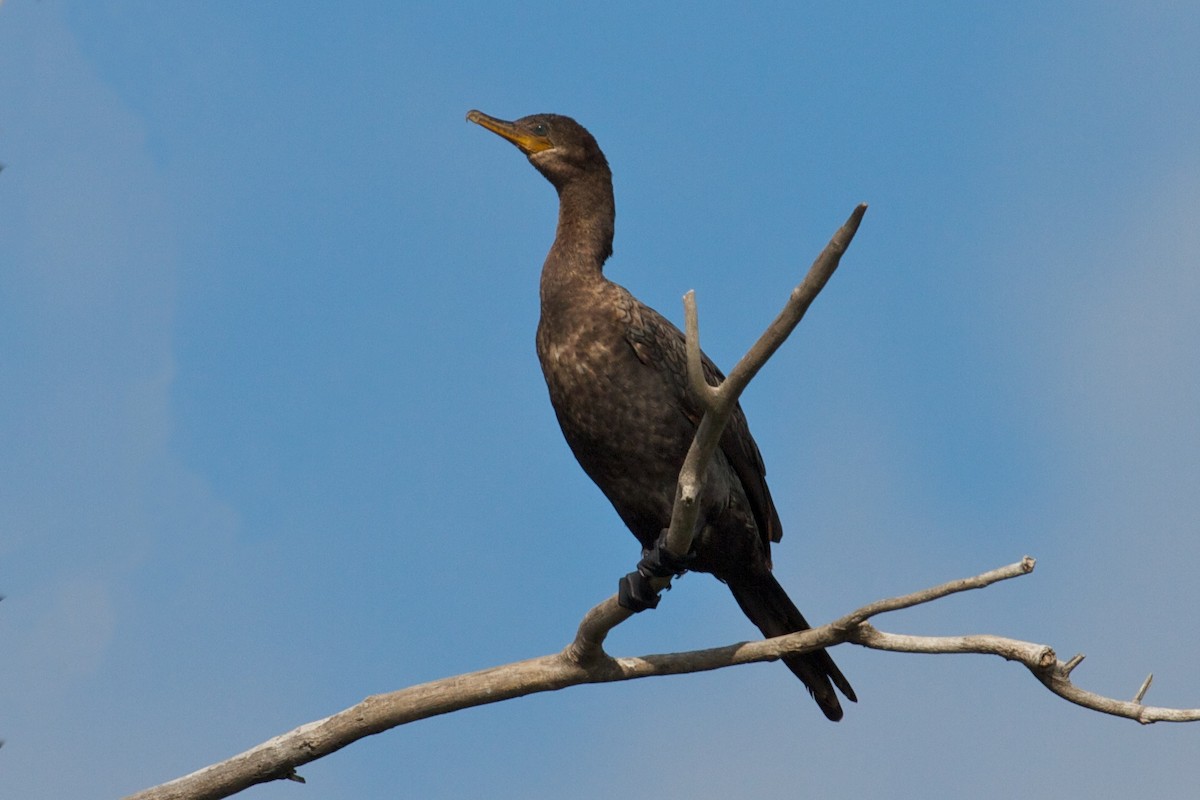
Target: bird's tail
(767,605)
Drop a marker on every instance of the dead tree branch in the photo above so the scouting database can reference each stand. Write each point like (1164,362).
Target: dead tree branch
(279,757)
(584,660)
(719,403)
(1040,659)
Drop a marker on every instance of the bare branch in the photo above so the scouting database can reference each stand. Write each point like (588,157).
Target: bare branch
(1022,567)
(589,639)
(584,660)
(802,297)
(719,403)
(1145,687)
(278,758)
(1038,658)
(695,360)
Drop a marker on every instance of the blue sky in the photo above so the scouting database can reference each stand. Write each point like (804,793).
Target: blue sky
(274,436)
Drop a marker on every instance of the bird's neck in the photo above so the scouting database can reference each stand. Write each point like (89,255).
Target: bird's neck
(583,242)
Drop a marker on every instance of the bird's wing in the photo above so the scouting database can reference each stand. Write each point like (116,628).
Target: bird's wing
(658,342)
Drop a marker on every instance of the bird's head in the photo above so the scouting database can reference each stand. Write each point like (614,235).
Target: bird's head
(559,147)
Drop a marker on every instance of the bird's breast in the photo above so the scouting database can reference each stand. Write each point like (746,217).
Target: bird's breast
(614,409)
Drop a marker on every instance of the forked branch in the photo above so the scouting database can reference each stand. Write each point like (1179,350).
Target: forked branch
(278,758)
(584,660)
(719,403)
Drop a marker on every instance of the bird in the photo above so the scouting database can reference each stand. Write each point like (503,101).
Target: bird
(616,371)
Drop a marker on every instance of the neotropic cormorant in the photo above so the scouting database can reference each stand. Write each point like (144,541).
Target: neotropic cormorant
(617,375)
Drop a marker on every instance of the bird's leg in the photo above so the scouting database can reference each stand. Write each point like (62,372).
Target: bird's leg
(636,590)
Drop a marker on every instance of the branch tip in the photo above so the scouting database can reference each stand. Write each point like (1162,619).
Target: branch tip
(1075,661)
(1141,692)
(695,358)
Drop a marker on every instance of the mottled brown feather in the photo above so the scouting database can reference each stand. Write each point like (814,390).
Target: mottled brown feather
(616,372)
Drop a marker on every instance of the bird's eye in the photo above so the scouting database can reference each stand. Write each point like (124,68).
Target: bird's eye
(540,129)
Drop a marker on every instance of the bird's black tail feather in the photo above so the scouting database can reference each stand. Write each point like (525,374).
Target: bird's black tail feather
(767,605)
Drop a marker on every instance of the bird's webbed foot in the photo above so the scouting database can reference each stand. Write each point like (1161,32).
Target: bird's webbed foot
(635,591)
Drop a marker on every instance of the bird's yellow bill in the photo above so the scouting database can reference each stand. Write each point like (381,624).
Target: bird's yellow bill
(528,142)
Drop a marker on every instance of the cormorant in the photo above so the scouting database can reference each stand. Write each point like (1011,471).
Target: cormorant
(617,375)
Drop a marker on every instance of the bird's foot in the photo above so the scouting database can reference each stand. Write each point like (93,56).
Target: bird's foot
(636,591)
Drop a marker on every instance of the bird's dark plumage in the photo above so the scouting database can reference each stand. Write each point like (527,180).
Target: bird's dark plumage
(617,375)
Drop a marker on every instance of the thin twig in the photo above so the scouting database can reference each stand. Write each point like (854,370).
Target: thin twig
(1145,687)
(802,297)
(699,385)
(1022,567)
